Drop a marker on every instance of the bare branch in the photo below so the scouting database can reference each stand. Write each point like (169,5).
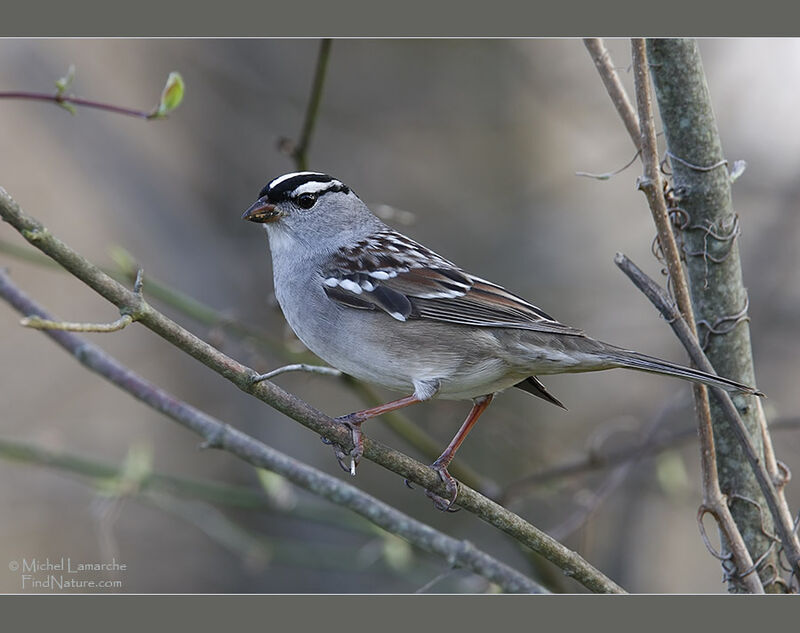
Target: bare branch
(311,369)
(299,152)
(594,461)
(72,100)
(37,323)
(659,298)
(619,97)
(652,185)
(701,192)
(225,437)
(609,174)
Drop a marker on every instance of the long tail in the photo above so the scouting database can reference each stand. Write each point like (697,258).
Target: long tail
(641,362)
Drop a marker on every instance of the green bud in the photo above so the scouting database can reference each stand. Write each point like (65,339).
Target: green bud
(171,96)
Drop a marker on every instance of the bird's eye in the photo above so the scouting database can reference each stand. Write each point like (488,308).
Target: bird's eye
(306,200)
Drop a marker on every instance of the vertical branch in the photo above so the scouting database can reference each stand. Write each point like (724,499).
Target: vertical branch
(652,185)
(300,152)
(702,190)
(602,61)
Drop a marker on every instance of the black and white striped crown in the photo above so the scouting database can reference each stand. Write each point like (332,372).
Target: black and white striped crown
(297,183)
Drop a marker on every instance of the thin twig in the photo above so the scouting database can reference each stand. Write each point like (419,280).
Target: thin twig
(68,326)
(594,461)
(240,497)
(613,481)
(242,376)
(311,369)
(659,298)
(619,97)
(609,174)
(37,323)
(300,152)
(59,99)
(652,185)
(225,437)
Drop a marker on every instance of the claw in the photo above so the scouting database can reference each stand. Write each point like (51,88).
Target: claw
(355,454)
(408,484)
(439,502)
(341,457)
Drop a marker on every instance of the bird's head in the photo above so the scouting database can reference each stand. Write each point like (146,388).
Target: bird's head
(311,207)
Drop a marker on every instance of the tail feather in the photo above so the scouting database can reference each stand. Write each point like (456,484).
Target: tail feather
(534,386)
(642,362)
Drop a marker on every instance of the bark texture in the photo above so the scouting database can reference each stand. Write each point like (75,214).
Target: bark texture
(702,189)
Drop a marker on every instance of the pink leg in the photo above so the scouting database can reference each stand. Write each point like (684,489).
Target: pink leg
(443,461)
(353,422)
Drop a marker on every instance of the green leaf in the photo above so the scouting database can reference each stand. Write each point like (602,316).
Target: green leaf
(171,96)
(67,106)
(66,81)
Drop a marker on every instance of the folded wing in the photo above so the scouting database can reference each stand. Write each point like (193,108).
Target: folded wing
(392,273)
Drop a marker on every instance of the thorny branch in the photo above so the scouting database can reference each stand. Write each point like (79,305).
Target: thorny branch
(243,377)
(219,435)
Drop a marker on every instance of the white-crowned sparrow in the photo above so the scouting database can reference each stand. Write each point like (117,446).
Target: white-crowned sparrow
(381,307)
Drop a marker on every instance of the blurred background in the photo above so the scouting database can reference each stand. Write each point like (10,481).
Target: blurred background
(471,147)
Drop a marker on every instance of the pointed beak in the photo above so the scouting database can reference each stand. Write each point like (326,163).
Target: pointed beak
(262,211)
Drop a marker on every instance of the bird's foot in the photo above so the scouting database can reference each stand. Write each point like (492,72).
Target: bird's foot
(349,460)
(445,504)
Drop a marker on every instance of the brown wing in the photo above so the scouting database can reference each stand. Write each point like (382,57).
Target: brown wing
(422,285)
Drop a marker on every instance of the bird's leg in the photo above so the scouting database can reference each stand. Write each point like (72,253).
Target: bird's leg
(353,422)
(440,465)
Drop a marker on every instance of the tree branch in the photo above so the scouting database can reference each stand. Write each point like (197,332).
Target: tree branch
(268,392)
(605,67)
(127,270)
(651,184)
(300,151)
(87,103)
(171,97)
(709,227)
(668,310)
(219,435)
(595,460)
